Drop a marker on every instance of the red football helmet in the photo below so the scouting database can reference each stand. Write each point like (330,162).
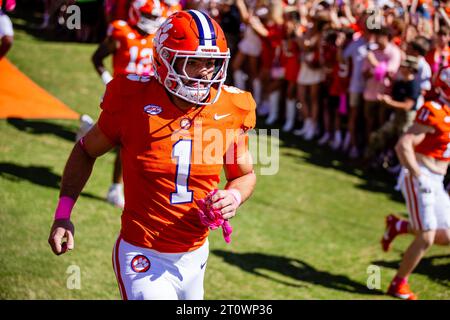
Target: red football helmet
(442,83)
(190,35)
(146,15)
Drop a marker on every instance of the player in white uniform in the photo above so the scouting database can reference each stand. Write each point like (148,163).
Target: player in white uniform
(424,152)
(6,27)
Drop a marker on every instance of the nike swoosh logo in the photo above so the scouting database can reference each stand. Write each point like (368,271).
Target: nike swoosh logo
(202,265)
(217,117)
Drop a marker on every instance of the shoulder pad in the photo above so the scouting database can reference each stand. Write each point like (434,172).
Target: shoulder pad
(241,99)
(118,28)
(122,89)
(435,105)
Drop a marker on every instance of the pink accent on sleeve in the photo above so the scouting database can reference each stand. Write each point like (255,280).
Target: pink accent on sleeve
(64,209)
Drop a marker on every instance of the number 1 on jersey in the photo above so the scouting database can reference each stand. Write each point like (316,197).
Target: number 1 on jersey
(182,150)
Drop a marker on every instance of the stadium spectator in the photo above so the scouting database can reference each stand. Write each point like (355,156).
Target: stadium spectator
(269,27)
(311,75)
(402,100)
(249,50)
(291,65)
(379,67)
(355,54)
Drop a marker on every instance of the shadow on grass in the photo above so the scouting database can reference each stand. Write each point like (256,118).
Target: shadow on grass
(432,267)
(42,127)
(374,180)
(295,269)
(39,175)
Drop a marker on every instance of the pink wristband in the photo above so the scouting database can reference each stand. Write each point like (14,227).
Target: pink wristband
(237,195)
(64,209)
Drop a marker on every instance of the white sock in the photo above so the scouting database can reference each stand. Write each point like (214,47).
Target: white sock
(290,115)
(273,107)
(239,78)
(257,88)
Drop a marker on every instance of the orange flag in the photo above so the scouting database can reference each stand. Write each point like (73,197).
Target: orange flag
(20,97)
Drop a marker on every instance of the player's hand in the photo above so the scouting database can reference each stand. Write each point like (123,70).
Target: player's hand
(225,201)
(424,184)
(61,238)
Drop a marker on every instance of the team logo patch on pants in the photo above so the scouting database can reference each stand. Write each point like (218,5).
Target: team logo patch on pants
(140,264)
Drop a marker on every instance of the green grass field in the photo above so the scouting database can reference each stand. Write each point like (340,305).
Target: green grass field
(309,232)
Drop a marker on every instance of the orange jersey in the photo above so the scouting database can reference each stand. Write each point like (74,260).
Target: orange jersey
(167,162)
(133,53)
(436,144)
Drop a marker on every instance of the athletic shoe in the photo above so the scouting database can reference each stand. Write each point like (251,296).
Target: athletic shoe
(115,195)
(401,291)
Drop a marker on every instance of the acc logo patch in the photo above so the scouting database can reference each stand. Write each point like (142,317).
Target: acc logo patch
(185,123)
(152,109)
(140,264)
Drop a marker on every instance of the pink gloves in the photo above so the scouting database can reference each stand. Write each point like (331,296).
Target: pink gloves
(212,218)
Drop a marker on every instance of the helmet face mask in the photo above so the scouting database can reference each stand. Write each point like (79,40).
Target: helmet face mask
(179,51)
(193,87)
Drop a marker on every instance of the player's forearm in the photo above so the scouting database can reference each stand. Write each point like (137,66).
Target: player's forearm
(104,50)
(76,173)
(244,184)
(407,157)
(98,64)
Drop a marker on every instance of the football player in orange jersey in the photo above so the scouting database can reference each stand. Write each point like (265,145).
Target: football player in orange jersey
(130,43)
(424,152)
(177,131)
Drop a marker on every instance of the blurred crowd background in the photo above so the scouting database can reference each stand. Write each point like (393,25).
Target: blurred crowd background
(345,74)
